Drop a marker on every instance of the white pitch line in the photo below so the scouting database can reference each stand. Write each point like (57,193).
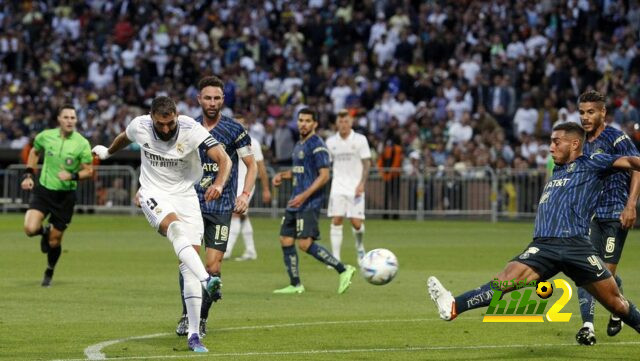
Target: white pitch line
(94,352)
(360,350)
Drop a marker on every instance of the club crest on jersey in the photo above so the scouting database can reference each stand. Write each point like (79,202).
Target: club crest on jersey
(68,161)
(180,148)
(301,154)
(158,210)
(571,167)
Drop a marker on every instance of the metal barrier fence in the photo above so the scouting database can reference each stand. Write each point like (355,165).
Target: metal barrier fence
(435,192)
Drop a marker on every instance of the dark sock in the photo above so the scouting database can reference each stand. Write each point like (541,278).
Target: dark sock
(53,255)
(323,255)
(207,301)
(587,305)
(181,283)
(479,297)
(39,231)
(291,263)
(633,318)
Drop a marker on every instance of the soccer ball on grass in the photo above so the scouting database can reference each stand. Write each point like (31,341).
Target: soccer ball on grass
(379,266)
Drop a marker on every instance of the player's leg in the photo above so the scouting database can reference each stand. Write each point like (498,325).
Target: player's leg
(611,257)
(607,293)
(307,233)
(33,226)
(246,228)
(355,212)
(535,263)
(216,236)
(234,232)
(290,256)
(336,210)
(586,334)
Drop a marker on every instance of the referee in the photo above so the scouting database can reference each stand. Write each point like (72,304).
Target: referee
(67,159)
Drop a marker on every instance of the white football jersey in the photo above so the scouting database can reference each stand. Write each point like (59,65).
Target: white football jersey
(171,167)
(347,155)
(256,149)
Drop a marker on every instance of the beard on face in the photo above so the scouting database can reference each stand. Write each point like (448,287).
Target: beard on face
(167,136)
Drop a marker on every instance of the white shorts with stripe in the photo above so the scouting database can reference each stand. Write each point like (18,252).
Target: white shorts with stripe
(156,206)
(346,206)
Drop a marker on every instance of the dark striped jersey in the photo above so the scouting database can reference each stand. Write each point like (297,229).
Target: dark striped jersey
(232,136)
(569,197)
(309,157)
(616,187)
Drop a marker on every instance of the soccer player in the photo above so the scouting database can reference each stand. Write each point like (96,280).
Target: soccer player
(616,207)
(169,148)
(67,159)
(351,158)
(240,223)
(561,232)
(310,173)
(217,215)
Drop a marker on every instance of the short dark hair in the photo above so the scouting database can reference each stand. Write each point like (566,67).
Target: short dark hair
(573,128)
(65,106)
(592,96)
(212,80)
(163,106)
(308,111)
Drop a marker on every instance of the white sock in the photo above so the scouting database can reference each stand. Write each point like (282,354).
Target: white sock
(192,298)
(335,235)
(588,324)
(358,234)
(247,237)
(234,232)
(178,233)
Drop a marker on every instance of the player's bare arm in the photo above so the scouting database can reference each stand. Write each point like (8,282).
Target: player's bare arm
(366,164)
(319,182)
(280,176)
(119,143)
(242,200)
(627,162)
(264,181)
(628,215)
(32,163)
(218,155)
(84,173)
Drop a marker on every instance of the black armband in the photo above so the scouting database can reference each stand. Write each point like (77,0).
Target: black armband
(75,176)
(30,171)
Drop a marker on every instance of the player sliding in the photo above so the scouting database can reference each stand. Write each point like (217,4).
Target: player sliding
(300,222)
(170,167)
(561,233)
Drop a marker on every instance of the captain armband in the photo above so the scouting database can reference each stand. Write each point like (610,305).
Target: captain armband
(244,151)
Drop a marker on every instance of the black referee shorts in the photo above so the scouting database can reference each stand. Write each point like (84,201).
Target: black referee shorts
(57,203)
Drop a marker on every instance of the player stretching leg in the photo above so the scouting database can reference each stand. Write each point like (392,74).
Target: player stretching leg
(561,232)
(170,167)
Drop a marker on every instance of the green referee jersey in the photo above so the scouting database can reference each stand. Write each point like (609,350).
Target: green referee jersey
(61,154)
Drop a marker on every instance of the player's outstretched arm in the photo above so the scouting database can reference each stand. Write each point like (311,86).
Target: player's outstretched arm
(119,143)
(32,163)
(264,181)
(218,155)
(627,162)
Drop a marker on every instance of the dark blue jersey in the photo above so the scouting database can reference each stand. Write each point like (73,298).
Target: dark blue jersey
(232,136)
(570,197)
(616,187)
(308,157)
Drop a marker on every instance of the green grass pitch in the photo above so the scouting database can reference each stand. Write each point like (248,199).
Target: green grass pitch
(117,280)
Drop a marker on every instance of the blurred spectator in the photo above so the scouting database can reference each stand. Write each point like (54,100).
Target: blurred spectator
(389,166)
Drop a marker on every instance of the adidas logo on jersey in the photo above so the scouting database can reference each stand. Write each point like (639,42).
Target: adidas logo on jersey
(146,145)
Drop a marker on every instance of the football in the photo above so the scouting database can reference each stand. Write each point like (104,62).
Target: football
(379,266)
(544,290)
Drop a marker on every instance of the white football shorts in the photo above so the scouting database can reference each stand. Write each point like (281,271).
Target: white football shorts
(346,206)
(156,206)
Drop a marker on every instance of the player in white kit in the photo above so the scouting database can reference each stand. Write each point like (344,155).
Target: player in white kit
(351,159)
(240,223)
(170,167)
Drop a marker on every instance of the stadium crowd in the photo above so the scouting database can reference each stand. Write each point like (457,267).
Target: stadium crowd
(471,83)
